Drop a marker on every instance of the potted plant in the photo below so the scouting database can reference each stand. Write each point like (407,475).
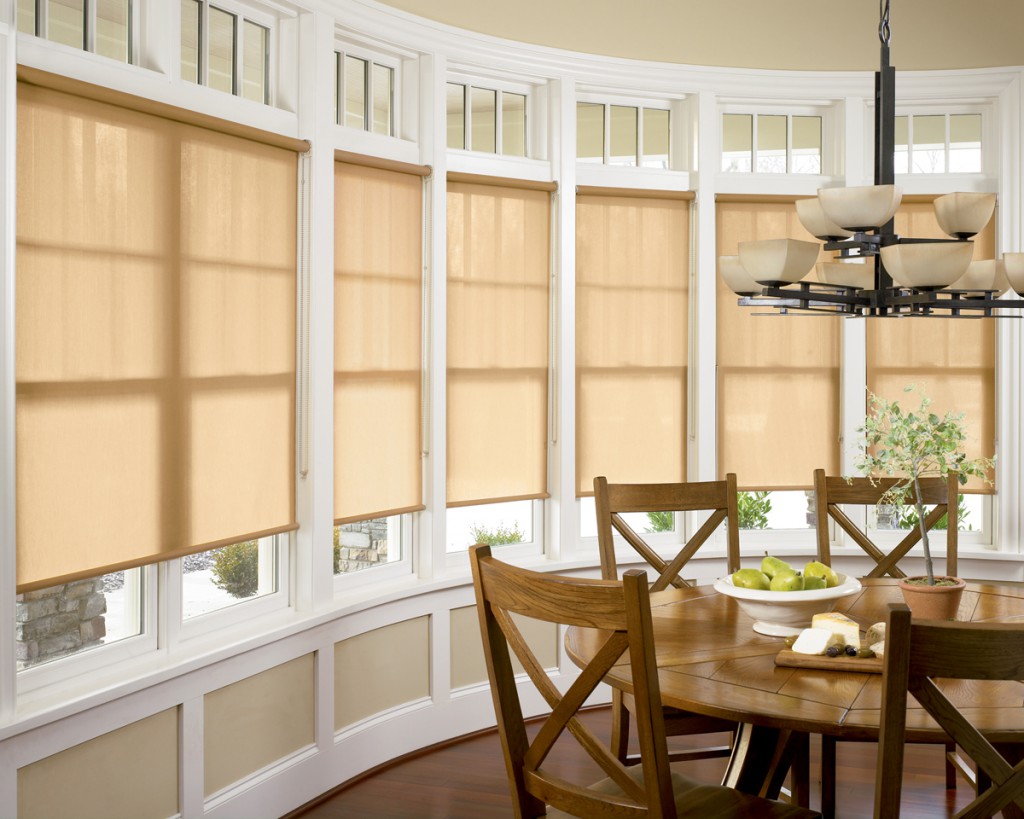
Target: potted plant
(910,446)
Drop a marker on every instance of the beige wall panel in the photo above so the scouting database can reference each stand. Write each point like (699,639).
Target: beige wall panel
(467,653)
(381,669)
(130,773)
(254,722)
(798,34)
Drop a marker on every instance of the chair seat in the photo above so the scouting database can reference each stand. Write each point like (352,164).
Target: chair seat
(702,801)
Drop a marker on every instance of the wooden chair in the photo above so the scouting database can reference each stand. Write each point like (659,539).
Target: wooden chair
(831,492)
(916,654)
(612,501)
(622,610)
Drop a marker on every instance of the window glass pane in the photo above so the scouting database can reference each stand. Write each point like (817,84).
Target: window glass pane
(965,143)
(367,544)
(71,617)
(499,524)
(484,133)
(806,151)
(383,93)
(737,142)
(219,578)
(355,93)
(513,124)
(27,16)
(65,22)
(221,50)
(902,155)
(771,144)
(656,134)
(622,135)
(589,132)
(255,52)
(112,29)
(929,154)
(456,108)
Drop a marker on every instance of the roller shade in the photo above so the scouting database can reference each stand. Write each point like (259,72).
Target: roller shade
(155,345)
(632,267)
(499,245)
(378,287)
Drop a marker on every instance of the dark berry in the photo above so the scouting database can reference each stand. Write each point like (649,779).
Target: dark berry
(851,651)
(832,651)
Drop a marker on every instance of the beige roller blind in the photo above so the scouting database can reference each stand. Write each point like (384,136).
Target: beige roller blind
(378,286)
(952,360)
(778,376)
(498,288)
(155,340)
(632,266)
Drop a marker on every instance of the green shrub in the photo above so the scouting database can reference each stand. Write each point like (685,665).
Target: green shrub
(907,517)
(661,521)
(498,536)
(236,569)
(753,509)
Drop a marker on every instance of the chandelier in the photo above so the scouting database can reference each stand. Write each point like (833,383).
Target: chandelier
(875,271)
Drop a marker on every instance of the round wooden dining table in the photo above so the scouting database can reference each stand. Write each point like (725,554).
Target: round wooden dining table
(711,661)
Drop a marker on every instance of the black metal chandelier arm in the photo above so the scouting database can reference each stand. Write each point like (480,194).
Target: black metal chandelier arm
(884,32)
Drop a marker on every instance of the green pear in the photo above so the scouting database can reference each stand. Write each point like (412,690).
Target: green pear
(750,579)
(813,581)
(786,581)
(771,566)
(816,569)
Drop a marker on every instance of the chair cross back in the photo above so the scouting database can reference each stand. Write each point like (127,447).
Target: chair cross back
(918,653)
(621,609)
(831,492)
(615,500)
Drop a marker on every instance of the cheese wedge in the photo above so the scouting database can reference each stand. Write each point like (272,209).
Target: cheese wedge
(879,648)
(875,634)
(845,628)
(816,641)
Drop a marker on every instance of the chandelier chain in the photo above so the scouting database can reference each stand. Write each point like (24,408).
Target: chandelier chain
(884,32)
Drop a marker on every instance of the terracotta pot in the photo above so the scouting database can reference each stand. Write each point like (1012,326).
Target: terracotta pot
(932,602)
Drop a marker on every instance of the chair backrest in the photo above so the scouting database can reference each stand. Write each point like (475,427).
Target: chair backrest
(916,655)
(831,492)
(613,500)
(622,611)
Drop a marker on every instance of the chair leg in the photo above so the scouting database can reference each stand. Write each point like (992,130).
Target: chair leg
(620,728)
(950,767)
(799,771)
(828,776)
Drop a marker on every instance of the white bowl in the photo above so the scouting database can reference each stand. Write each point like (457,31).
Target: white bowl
(736,277)
(813,218)
(927,265)
(865,207)
(961,215)
(1013,264)
(987,274)
(776,262)
(781,614)
(847,274)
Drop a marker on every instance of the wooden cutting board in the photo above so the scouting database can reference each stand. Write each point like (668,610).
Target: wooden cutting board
(866,665)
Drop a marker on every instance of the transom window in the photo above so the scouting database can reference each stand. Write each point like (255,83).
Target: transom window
(490,120)
(224,50)
(364,94)
(103,27)
(771,143)
(938,143)
(624,135)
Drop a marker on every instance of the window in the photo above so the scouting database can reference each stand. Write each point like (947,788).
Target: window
(499,524)
(365,95)
(771,143)
(486,119)
(938,143)
(224,50)
(368,544)
(101,26)
(223,577)
(624,135)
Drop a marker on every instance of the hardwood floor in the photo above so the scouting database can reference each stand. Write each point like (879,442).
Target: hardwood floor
(467,779)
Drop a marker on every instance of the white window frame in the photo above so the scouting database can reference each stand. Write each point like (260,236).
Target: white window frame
(371,57)
(825,112)
(401,530)
(486,83)
(241,12)
(89,22)
(640,103)
(989,142)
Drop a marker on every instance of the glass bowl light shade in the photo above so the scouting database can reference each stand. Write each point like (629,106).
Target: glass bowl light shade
(847,274)
(813,218)
(1013,265)
(961,215)
(864,207)
(927,265)
(736,277)
(777,262)
(987,274)
(781,613)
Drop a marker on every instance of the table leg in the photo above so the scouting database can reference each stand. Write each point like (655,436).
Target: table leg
(761,758)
